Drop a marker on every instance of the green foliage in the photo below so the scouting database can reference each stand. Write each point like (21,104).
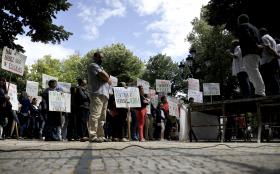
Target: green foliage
(226,12)
(212,63)
(35,16)
(119,62)
(162,67)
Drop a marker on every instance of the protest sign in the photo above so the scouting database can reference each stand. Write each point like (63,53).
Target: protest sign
(64,86)
(197,95)
(32,88)
(114,81)
(12,93)
(45,80)
(193,84)
(13,61)
(59,101)
(127,97)
(173,106)
(211,89)
(163,86)
(145,84)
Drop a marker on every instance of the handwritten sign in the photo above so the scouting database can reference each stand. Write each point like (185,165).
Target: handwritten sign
(114,81)
(64,86)
(173,106)
(193,84)
(59,101)
(211,89)
(12,93)
(32,88)
(127,97)
(145,84)
(163,86)
(45,80)
(13,61)
(197,95)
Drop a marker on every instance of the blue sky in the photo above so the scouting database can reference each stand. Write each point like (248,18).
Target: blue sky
(146,27)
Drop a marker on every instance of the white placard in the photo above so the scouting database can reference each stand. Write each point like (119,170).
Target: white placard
(193,84)
(45,80)
(12,93)
(173,106)
(145,84)
(59,101)
(197,95)
(127,97)
(32,88)
(114,81)
(64,86)
(13,61)
(211,89)
(163,86)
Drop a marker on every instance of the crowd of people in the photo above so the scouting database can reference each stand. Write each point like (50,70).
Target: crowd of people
(256,60)
(94,116)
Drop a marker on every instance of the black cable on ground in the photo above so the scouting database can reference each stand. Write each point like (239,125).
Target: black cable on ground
(130,146)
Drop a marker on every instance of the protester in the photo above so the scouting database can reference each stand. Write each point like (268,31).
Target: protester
(238,70)
(5,107)
(24,115)
(250,45)
(142,113)
(99,82)
(269,64)
(38,122)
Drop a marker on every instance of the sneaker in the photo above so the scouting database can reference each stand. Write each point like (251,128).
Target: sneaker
(95,140)
(84,139)
(124,140)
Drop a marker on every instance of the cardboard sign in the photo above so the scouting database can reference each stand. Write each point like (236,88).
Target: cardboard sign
(13,61)
(173,106)
(193,84)
(145,84)
(114,81)
(32,88)
(197,95)
(12,93)
(59,101)
(45,80)
(211,89)
(127,97)
(64,86)
(163,86)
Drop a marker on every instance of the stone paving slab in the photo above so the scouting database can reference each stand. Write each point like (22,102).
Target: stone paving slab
(138,157)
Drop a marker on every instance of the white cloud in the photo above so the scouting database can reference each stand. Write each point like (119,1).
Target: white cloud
(168,33)
(136,34)
(93,17)
(36,50)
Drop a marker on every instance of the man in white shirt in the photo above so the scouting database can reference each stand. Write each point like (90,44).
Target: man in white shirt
(269,64)
(238,70)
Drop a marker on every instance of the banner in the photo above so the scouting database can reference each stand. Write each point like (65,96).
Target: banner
(193,84)
(211,89)
(64,86)
(12,93)
(32,88)
(114,81)
(13,61)
(145,84)
(173,106)
(163,86)
(127,97)
(45,80)
(59,101)
(197,95)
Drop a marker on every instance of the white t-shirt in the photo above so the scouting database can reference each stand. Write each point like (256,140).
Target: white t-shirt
(266,56)
(237,63)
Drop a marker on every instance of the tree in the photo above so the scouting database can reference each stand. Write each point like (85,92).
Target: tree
(119,62)
(162,67)
(226,12)
(36,17)
(212,62)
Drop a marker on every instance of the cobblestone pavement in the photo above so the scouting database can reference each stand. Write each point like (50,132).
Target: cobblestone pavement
(137,157)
